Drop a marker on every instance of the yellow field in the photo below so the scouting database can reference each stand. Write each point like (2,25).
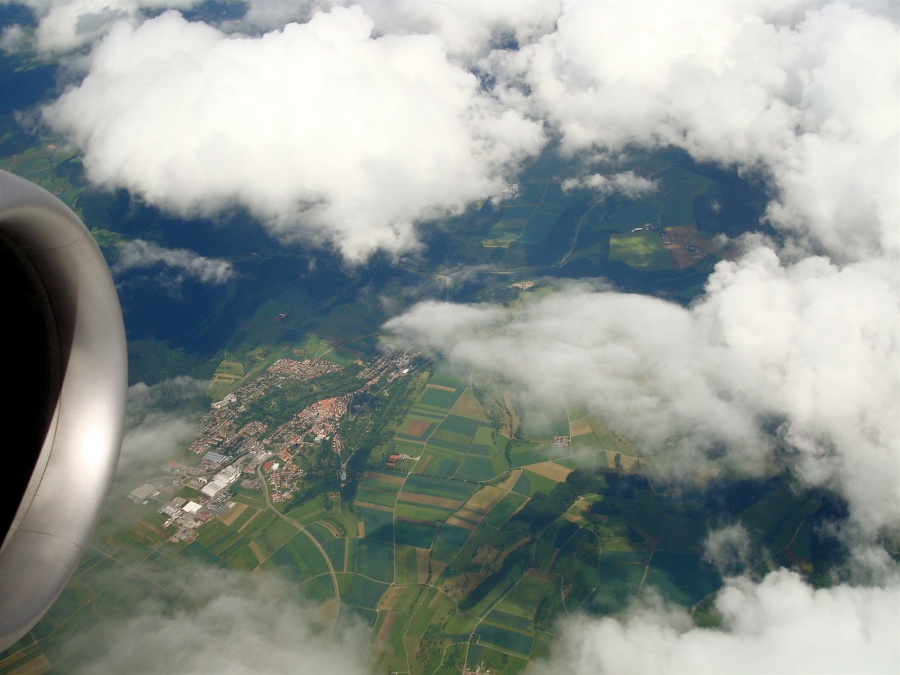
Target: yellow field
(374,507)
(580,427)
(258,552)
(464,524)
(551,470)
(575,514)
(468,406)
(233,512)
(485,500)
(440,386)
(383,478)
(428,500)
(507,485)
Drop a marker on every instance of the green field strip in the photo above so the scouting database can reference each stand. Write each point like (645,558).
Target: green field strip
(411,439)
(300,557)
(419,535)
(682,578)
(322,534)
(241,558)
(465,427)
(217,537)
(405,565)
(364,593)
(438,487)
(514,622)
(309,512)
(198,552)
(423,613)
(439,467)
(414,449)
(257,525)
(454,441)
(318,589)
(275,536)
(336,550)
(511,503)
(477,469)
(435,451)
(378,524)
(506,640)
(523,600)
(483,435)
(419,414)
(530,454)
(244,496)
(439,398)
(421,512)
(620,576)
(373,496)
(430,412)
(371,558)
(530,483)
(449,540)
(243,518)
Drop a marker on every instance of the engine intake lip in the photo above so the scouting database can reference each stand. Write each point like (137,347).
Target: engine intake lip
(82,413)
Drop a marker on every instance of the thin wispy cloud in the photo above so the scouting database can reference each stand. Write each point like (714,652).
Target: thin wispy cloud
(140,254)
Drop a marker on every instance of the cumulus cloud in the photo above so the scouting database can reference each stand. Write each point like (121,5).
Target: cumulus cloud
(161,419)
(323,131)
(138,254)
(801,356)
(219,621)
(67,25)
(626,183)
(780,625)
(808,97)
(468,29)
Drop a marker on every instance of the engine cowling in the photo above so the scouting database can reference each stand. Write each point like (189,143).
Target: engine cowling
(66,372)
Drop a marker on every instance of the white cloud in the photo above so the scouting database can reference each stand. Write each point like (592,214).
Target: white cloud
(627,183)
(468,29)
(808,350)
(780,625)
(319,129)
(13,38)
(728,548)
(137,254)
(219,621)
(810,98)
(161,420)
(67,25)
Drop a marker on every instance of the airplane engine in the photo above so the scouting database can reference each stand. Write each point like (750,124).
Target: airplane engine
(63,368)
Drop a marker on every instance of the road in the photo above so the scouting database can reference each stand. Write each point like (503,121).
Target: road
(337,592)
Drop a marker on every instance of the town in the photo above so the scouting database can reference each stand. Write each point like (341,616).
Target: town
(237,451)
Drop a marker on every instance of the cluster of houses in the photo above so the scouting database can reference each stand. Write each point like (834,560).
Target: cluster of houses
(221,443)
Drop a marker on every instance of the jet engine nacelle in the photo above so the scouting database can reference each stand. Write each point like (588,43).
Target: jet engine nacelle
(63,369)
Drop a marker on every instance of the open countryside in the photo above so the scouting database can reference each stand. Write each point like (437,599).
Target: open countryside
(389,491)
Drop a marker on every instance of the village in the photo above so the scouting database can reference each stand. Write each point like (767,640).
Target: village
(246,454)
